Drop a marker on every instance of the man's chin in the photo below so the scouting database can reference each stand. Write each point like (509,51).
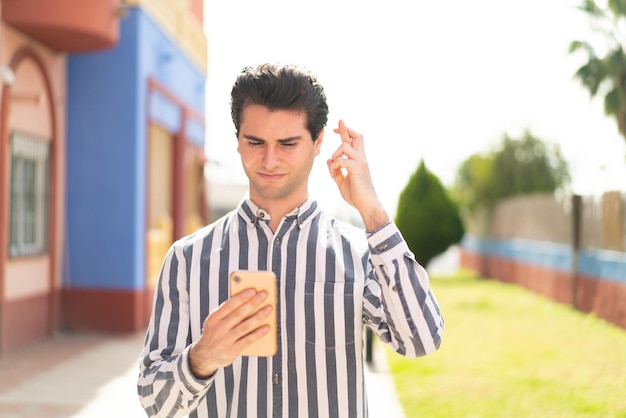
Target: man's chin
(272,193)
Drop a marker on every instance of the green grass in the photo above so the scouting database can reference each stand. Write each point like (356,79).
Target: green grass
(508,352)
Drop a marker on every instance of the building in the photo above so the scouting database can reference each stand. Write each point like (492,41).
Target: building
(101,158)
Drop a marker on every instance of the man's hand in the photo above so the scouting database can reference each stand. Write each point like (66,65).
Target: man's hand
(227,330)
(348,167)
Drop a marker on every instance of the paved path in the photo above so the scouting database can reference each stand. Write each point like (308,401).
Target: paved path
(91,376)
(78,376)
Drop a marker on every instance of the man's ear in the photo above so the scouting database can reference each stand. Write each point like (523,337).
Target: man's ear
(318,143)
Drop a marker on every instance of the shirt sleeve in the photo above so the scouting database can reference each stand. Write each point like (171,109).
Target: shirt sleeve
(399,305)
(166,386)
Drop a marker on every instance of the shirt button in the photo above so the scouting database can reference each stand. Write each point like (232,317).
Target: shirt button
(395,288)
(381,247)
(276,379)
(276,242)
(261,214)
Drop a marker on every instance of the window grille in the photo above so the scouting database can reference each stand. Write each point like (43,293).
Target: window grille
(29,197)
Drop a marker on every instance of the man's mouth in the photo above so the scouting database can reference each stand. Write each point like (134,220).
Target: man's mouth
(271,176)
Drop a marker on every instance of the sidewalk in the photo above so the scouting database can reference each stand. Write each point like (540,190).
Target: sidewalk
(72,376)
(90,376)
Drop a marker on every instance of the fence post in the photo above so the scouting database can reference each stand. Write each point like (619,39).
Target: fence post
(577,208)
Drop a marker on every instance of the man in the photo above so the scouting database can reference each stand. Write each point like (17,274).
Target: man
(332,278)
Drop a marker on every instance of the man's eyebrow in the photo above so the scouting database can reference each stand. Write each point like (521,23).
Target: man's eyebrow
(290,139)
(253,138)
(281,140)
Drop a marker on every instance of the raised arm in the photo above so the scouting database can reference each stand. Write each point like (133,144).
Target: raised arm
(399,303)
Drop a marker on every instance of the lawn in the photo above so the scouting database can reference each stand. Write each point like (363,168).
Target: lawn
(508,352)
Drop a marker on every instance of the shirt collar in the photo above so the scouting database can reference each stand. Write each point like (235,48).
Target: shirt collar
(253,214)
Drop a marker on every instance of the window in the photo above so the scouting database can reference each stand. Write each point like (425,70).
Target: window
(29,195)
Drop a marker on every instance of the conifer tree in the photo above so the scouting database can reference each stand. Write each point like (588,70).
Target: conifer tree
(427,217)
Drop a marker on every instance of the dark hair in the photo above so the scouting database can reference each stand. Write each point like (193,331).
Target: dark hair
(280,87)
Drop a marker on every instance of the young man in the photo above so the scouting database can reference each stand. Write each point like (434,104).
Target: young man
(332,278)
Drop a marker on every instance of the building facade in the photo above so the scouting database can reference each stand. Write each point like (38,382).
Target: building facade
(101,158)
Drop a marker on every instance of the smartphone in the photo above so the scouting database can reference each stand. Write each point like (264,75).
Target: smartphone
(261,281)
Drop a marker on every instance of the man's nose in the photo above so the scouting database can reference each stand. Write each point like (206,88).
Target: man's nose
(270,157)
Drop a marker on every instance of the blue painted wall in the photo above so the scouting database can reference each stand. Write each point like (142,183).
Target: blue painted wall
(599,264)
(106,149)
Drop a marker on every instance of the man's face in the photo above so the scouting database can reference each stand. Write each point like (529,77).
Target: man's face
(277,153)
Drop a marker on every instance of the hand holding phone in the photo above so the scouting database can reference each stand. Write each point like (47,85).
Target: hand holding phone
(265,281)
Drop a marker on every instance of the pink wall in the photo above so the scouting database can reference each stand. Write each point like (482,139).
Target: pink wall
(34,116)
(34,104)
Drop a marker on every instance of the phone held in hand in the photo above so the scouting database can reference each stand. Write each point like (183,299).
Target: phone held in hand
(240,280)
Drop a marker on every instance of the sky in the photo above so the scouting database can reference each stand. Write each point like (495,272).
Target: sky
(437,81)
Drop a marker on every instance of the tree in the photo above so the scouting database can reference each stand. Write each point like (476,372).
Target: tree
(605,73)
(427,217)
(472,187)
(525,165)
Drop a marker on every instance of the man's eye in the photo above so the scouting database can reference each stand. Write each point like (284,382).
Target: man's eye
(255,144)
(289,144)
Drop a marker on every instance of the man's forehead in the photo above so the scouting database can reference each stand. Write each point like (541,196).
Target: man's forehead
(268,124)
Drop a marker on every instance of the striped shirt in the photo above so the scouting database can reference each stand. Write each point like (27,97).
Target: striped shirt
(333,279)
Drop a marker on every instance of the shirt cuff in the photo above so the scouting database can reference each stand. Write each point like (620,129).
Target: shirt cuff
(191,382)
(387,242)
(370,233)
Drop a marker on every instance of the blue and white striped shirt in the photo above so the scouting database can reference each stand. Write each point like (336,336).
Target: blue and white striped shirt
(332,279)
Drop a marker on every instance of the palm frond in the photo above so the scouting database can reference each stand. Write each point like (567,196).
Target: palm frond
(616,61)
(618,7)
(590,7)
(575,46)
(614,101)
(591,75)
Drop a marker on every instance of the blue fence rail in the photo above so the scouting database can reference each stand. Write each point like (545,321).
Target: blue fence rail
(594,263)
